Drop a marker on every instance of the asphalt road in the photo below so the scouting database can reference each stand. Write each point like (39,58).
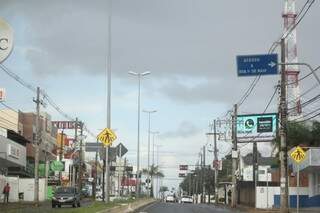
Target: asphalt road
(161,207)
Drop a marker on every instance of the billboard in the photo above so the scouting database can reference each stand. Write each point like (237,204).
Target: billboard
(257,127)
(6,40)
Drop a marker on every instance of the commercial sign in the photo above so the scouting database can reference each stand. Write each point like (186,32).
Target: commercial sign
(182,174)
(65,124)
(2,94)
(257,127)
(183,167)
(107,136)
(251,65)
(13,151)
(6,40)
(57,165)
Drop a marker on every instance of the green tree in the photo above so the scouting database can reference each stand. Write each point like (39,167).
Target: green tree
(154,172)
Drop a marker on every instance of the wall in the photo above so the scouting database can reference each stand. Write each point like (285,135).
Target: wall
(10,120)
(26,186)
(22,185)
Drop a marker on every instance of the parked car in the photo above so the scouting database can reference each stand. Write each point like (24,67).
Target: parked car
(170,198)
(186,199)
(66,196)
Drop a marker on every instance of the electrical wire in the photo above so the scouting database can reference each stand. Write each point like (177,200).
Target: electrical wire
(45,96)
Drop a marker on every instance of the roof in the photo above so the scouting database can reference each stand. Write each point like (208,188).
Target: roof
(248,160)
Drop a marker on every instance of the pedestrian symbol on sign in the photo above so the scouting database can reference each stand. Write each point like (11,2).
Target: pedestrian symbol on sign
(298,155)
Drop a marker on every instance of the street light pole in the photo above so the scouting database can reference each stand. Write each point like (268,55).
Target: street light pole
(139,75)
(148,175)
(106,160)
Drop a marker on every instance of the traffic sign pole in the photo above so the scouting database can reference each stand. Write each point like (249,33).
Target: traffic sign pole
(298,186)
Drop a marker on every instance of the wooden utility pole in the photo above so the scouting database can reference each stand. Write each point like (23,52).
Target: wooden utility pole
(234,157)
(216,161)
(284,208)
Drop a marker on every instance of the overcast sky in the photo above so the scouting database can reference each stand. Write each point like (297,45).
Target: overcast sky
(188,45)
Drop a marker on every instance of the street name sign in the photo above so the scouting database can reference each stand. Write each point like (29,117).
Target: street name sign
(298,154)
(93,147)
(252,65)
(107,136)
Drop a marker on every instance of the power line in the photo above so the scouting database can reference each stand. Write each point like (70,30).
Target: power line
(45,96)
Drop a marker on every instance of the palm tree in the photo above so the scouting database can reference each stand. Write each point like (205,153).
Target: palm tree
(154,172)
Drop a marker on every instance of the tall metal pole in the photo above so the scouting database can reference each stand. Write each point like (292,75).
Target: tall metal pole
(138,144)
(148,177)
(149,133)
(216,160)
(107,168)
(284,208)
(234,157)
(37,143)
(203,175)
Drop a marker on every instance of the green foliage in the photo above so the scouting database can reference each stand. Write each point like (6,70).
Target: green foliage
(307,134)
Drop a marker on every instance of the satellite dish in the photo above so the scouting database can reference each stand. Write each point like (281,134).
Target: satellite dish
(6,40)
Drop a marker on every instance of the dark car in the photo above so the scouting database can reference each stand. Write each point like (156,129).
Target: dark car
(66,196)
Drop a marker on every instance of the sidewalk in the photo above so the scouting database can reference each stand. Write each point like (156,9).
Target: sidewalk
(254,210)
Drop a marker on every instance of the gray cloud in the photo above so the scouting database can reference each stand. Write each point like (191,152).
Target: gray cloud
(181,38)
(185,129)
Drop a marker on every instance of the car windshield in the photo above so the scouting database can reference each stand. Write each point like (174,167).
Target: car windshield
(65,190)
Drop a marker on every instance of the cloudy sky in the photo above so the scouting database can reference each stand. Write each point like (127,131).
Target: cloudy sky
(189,46)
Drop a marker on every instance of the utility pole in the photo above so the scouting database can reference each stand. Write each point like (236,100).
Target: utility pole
(61,154)
(216,161)
(96,173)
(255,168)
(37,144)
(203,175)
(234,156)
(74,174)
(80,157)
(283,135)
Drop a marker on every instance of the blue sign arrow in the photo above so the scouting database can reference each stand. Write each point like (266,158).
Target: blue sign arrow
(250,65)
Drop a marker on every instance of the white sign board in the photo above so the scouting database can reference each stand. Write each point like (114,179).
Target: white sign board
(6,40)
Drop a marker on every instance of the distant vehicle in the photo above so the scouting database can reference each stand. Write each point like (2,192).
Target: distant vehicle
(85,191)
(99,194)
(66,196)
(170,198)
(186,199)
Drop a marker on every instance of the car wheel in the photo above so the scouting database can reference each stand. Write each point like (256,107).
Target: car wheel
(79,204)
(74,205)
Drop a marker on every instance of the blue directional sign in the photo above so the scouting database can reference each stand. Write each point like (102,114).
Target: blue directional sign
(250,65)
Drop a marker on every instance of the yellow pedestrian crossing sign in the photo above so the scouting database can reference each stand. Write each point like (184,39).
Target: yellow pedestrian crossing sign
(298,154)
(107,136)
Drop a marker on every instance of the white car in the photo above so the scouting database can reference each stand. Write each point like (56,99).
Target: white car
(170,198)
(186,199)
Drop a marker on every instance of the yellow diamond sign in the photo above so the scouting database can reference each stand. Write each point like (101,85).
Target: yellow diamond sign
(298,154)
(107,136)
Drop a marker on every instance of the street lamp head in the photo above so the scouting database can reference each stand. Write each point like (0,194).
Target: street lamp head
(149,111)
(132,73)
(145,73)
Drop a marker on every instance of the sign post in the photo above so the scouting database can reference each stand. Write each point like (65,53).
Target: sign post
(298,155)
